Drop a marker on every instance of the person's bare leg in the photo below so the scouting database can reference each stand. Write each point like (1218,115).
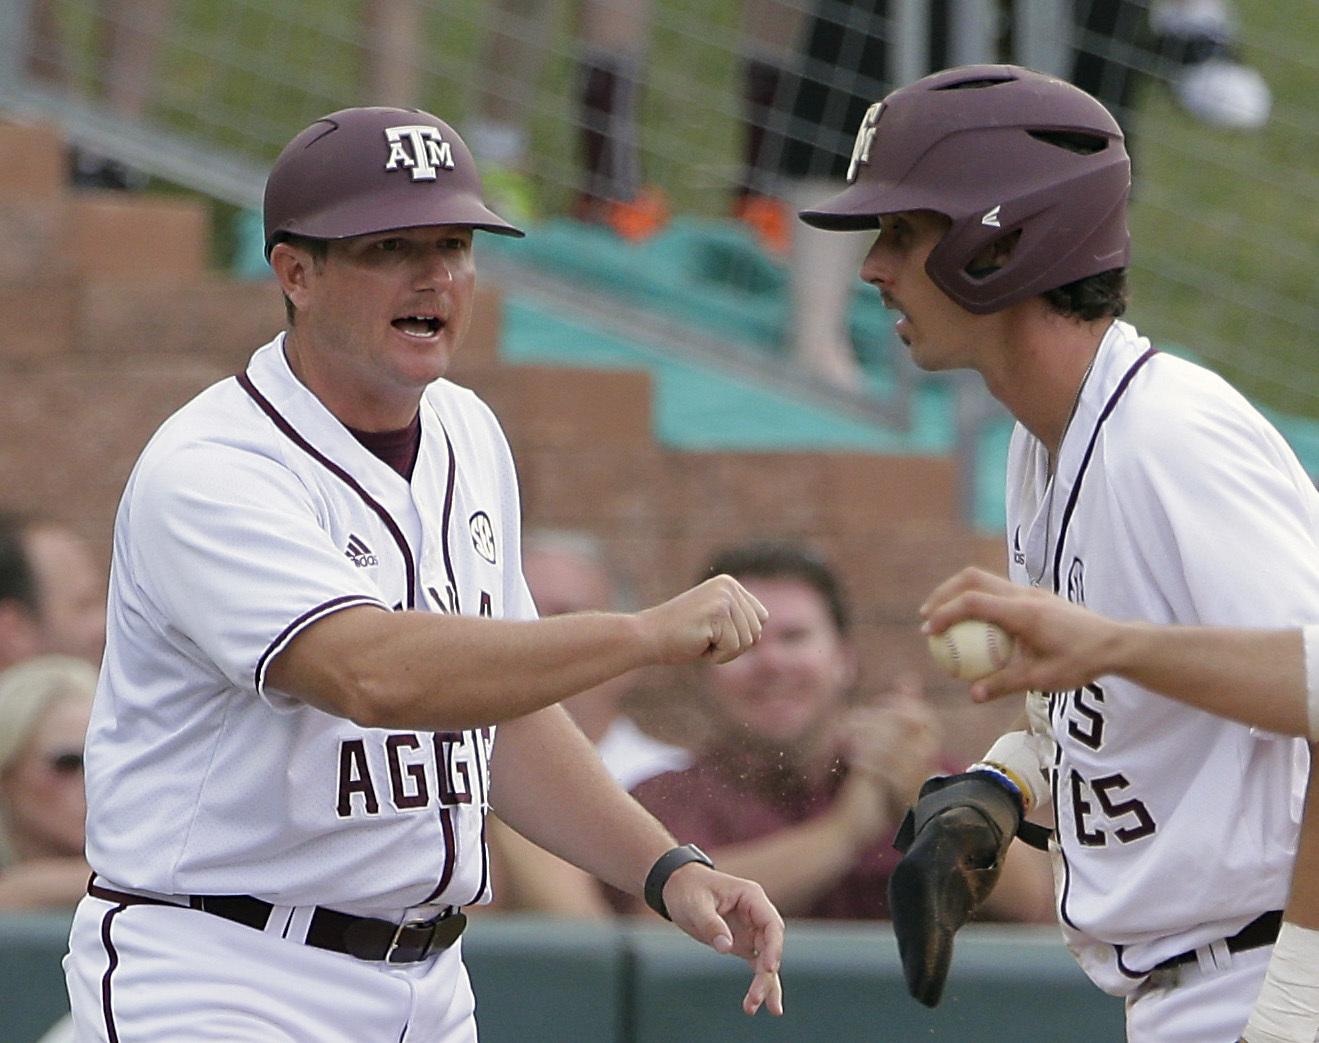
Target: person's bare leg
(823,270)
(514,49)
(47,57)
(770,44)
(613,35)
(129,37)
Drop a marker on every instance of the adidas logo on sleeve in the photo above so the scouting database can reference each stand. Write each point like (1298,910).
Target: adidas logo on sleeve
(360,553)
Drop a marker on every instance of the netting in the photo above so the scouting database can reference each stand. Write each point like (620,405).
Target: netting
(679,107)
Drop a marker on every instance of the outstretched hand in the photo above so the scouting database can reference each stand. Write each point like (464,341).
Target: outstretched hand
(731,915)
(1058,645)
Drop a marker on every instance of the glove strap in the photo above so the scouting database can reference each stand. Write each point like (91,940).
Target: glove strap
(1031,833)
(987,792)
(1035,835)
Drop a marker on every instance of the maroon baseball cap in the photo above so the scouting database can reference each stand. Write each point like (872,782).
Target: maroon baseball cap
(364,170)
(999,150)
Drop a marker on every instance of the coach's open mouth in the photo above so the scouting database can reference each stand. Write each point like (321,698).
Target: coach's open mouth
(419,325)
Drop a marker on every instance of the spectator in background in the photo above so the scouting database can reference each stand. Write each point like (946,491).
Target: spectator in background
(611,37)
(391,45)
(804,783)
(567,572)
(44,707)
(126,37)
(1199,41)
(842,66)
(52,593)
(770,40)
(1191,45)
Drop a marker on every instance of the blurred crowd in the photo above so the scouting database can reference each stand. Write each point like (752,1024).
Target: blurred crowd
(52,633)
(787,765)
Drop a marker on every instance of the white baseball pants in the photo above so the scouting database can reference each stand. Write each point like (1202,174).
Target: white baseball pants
(1210,1002)
(151,974)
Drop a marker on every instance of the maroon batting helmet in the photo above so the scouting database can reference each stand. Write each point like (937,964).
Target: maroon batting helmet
(366,170)
(998,150)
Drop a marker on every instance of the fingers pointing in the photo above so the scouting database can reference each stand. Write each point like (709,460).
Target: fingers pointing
(766,990)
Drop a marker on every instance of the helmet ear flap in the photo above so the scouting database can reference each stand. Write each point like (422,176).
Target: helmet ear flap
(1063,230)
(980,267)
(993,256)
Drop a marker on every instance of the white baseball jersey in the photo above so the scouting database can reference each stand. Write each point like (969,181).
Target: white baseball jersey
(251,514)
(1173,501)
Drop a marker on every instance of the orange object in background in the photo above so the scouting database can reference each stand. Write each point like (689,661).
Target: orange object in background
(769,220)
(632,219)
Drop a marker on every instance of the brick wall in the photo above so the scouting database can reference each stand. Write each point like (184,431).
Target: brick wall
(109,321)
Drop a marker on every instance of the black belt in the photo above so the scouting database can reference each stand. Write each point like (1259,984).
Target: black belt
(361,936)
(1263,930)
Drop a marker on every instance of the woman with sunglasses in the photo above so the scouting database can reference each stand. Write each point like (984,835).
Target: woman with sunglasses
(44,706)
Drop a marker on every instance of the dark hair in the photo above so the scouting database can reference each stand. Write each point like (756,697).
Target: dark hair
(319,250)
(1094,297)
(771,560)
(17,582)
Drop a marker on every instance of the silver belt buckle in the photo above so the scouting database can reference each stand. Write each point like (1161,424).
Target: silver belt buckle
(398,932)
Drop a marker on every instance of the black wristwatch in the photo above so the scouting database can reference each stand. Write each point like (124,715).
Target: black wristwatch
(663,869)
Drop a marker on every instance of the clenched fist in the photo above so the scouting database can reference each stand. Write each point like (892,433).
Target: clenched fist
(717,620)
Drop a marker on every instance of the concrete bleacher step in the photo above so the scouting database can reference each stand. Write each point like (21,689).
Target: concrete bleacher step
(79,265)
(32,162)
(120,236)
(206,316)
(550,407)
(35,233)
(72,427)
(99,234)
(36,319)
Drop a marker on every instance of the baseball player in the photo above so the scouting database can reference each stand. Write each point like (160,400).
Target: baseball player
(317,619)
(1140,486)
(1265,678)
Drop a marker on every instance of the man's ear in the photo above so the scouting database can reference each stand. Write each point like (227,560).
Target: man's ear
(293,268)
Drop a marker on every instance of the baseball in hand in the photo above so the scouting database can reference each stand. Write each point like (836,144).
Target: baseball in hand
(971,649)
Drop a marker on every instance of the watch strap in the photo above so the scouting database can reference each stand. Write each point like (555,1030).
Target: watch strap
(664,867)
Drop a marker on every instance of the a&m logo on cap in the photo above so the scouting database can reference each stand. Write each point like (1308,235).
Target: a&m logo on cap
(419,149)
(865,137)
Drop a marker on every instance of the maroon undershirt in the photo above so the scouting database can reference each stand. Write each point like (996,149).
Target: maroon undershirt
(397,448)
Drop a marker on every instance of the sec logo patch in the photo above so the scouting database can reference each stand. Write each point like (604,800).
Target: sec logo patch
(1076,582)
(483,535)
